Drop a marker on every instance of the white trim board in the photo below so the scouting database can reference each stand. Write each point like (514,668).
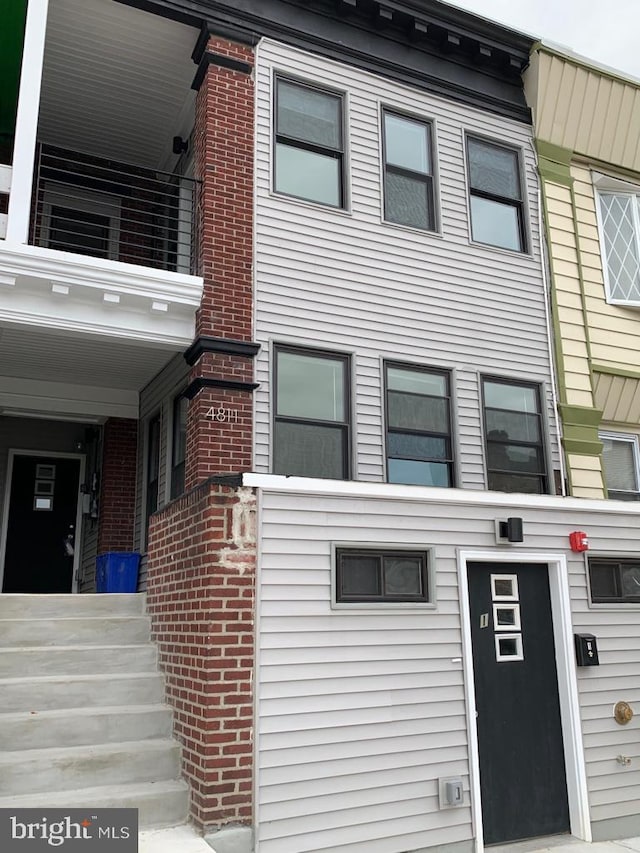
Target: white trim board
(567,686)
(4,525)
(429,495)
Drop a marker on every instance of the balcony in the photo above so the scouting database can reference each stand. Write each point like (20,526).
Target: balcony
(103,208)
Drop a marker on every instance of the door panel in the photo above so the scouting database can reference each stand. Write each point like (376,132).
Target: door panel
(522,771)
(41,528)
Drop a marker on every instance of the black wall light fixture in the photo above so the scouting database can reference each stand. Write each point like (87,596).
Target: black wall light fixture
(511,529)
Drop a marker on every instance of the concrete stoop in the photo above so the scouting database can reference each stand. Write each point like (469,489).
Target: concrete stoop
(82,716)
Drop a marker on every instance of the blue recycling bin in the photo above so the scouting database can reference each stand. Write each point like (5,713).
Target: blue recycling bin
(117,571)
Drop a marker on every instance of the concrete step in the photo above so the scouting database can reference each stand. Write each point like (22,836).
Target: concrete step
(67,768)
(80,691)
(76,660)
(74,631)
(159,803)
(16,606)
(83,726)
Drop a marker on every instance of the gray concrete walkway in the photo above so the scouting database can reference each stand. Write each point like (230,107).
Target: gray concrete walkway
(562,844)
(184,839)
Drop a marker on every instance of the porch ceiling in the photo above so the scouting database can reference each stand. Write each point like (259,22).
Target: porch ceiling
(34,354)
(116,81)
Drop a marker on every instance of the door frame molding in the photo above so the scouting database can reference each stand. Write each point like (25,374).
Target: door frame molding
(567,684)
(4,526)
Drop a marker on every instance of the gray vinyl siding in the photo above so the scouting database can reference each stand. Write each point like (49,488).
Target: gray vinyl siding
(359,713)
(347,281)
(156,398)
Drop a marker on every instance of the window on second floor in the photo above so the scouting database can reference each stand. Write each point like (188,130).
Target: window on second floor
(408,171)
(620,229)
(419,447)
(309,146)
(621,462)
(312,406)
(514,437)
(495,195)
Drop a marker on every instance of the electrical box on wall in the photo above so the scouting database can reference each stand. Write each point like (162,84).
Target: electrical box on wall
(450,792)
(586,650)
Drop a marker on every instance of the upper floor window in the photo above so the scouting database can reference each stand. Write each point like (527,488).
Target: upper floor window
(621,462)
(311,431)
(620,220)
(513,434)
(495,195)
(309,146)
(419,448)
(408,171)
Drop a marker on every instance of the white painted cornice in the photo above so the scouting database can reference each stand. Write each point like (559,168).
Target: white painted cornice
(60,290)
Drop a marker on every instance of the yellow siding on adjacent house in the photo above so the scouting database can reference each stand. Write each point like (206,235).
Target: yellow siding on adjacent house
(586,476)
(614,330)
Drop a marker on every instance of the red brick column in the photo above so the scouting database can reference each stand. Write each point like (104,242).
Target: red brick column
(219,420)
(118,485)
(200,596)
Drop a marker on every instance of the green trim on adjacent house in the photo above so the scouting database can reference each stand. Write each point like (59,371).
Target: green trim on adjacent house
(554,163)
(615,371)
(557,340)
(580,429)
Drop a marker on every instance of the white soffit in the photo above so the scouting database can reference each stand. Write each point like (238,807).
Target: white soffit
(116,81)
(36,354)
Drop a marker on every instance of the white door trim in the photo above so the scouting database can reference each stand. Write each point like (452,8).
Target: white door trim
(4,527)
(567,685)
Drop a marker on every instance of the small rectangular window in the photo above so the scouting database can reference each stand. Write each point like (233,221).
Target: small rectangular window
(366,575)
(408,171)
(621,463)
(309,147)
(514,437)
(495,195)
(178,445)
(614,580)
(312,414)
(419,447)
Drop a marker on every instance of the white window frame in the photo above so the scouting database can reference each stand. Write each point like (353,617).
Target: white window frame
(631,439)
(85,201)
(616,186)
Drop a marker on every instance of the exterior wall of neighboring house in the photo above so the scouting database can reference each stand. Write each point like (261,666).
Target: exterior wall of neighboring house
(587,141)
(361,712)
(346,281)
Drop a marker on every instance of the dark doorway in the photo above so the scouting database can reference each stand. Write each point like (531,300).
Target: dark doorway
(522,770)
(41,527)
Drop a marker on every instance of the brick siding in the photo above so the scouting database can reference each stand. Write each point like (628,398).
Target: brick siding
(118,485)
(200,596)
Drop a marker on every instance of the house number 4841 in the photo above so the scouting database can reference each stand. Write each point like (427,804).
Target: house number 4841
(220,414)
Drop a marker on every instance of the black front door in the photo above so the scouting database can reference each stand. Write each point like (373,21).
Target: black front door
(41,527)
(522,771)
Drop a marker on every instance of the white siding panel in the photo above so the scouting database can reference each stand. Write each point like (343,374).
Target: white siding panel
(345,280)
(361,712)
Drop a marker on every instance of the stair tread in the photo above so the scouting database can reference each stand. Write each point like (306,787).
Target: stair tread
(51,753)
(72,794)
(91,711)
(56,679)
(74,647)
